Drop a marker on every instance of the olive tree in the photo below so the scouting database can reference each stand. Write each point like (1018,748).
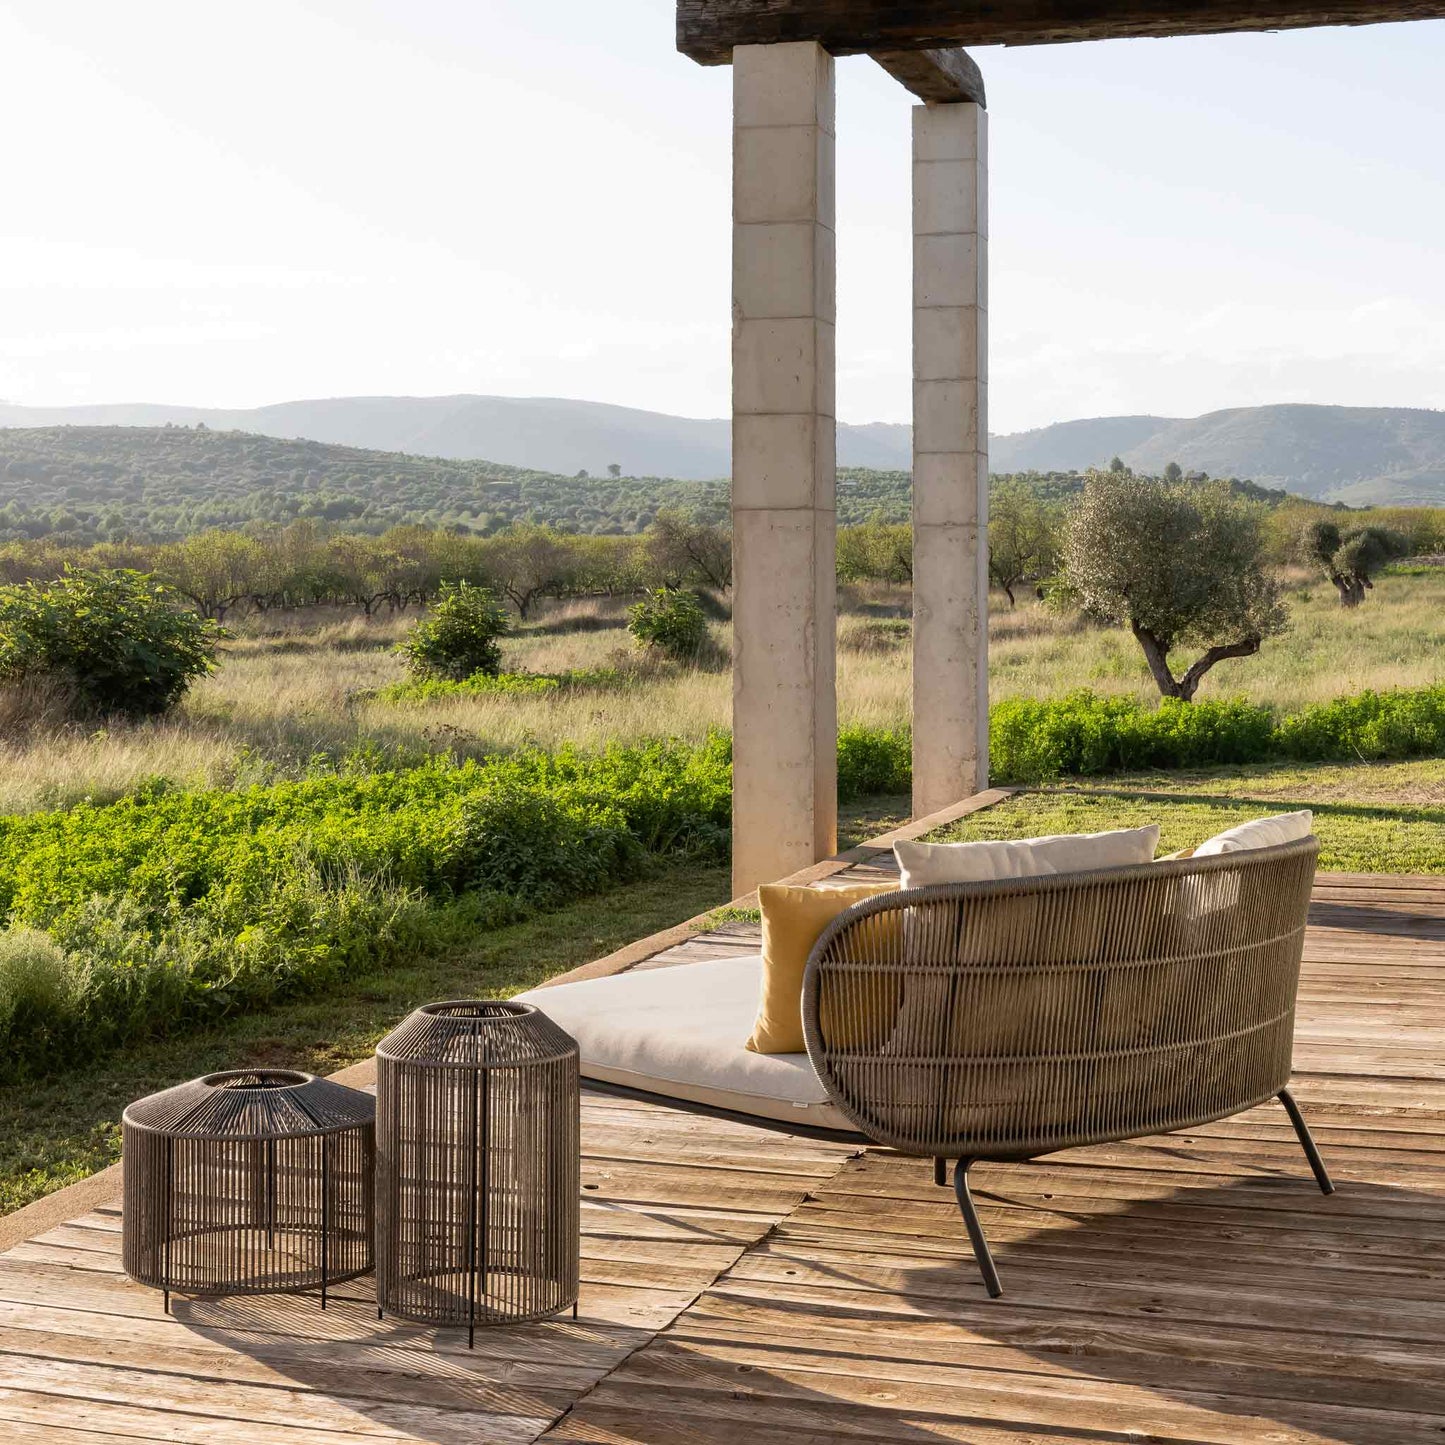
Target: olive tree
(527,562)
(1181,565)
(1022,538)
(684,550)
(875,551)
(1351,560)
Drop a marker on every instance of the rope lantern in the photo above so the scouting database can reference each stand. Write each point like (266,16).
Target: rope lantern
(251,1181)
(478,1166)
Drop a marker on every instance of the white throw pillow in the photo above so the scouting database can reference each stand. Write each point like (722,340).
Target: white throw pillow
(1258,833)
(923,864)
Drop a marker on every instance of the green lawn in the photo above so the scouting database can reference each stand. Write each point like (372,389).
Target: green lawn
(1370,818)
(59,1130)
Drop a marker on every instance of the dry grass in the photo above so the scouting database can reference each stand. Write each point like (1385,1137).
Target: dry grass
(292,687)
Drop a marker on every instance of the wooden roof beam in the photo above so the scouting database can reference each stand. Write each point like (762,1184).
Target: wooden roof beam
(935,75)
(707,30)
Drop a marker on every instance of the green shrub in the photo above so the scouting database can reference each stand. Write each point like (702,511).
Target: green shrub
(36,977)
(116,642)
(460,637)
(1084,734)
(480,684)
(504,684)
(1408,723)
(672,621)
(873,762)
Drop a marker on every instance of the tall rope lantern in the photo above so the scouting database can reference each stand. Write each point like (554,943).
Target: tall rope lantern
(478,1166)
(248,1182)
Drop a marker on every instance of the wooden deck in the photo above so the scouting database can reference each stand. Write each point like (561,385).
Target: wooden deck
(744,1286)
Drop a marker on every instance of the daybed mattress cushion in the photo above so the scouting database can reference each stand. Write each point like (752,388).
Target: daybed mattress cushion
(680,1032)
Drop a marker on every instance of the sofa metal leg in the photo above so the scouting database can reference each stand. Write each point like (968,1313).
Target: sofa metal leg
(975,1229)
(1307,1143)
(940,1173)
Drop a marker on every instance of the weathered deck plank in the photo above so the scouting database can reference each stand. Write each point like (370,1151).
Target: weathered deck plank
(745,1285)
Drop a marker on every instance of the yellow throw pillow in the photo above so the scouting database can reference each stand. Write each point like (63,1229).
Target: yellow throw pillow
(793,921)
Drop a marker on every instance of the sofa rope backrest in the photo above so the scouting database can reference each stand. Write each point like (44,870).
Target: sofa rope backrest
(1007,1019)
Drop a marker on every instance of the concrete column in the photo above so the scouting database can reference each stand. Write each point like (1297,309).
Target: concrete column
(785,715)
(950,454)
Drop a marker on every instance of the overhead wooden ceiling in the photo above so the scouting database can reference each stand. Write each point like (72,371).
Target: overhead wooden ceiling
(707,30)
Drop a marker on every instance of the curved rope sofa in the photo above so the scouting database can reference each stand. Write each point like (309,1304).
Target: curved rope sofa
(1004,1020)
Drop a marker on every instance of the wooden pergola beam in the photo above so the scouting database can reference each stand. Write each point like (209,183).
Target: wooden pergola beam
(707,30)
(939,76)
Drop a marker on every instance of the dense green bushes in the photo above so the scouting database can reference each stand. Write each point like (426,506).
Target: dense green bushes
(1086,734)
(873,762)
(169,908)
(1409,723)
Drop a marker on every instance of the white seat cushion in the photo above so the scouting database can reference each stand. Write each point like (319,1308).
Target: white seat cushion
(680,1032)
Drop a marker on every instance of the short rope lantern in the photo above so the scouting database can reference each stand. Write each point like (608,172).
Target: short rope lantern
(249,1182)
(478,1166)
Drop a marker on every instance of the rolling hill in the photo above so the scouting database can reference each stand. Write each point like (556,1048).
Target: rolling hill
(535,433)
(83,484)
(1359,455)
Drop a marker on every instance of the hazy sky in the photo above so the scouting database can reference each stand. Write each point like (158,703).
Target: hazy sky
(230,204)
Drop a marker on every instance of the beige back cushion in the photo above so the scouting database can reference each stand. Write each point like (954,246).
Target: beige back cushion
(1259,833)
(923,864)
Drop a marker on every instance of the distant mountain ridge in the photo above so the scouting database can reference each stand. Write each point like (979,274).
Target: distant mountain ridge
(1359,455)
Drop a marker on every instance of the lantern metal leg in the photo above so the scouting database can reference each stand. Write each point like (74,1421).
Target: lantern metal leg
(325,1212)
(271,1195)
(484,1196)
(169,1217)
(472,1122)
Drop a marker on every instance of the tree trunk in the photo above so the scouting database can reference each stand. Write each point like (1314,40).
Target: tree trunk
(1189,683)
(1156,654)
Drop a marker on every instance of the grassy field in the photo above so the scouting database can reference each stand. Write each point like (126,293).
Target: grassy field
(294,688)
